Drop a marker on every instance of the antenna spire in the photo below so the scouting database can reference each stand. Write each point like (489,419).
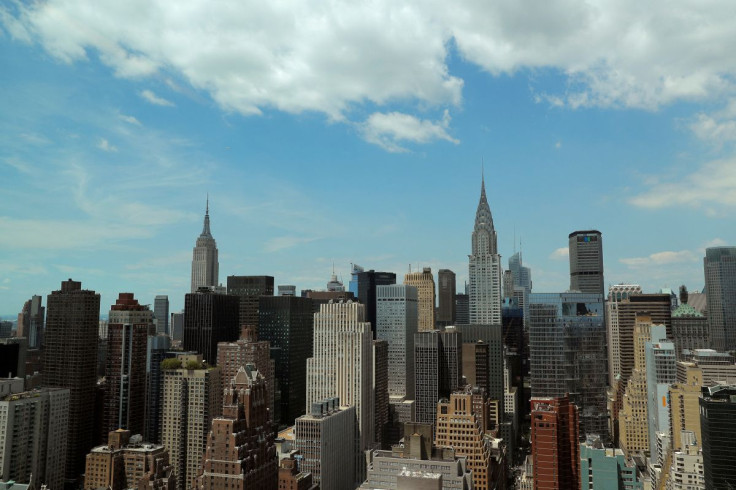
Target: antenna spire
(207,210)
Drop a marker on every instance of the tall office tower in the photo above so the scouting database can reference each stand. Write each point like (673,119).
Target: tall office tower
(396,323)
(290,478)
(567,349)
(127,462)
(521,283)
(586,262)
(438,360)
(334,284)
(241,452)
(368,282)
(158,349)
(6,329)
(418,464)
(555,443)
(461,427)
(249,289)
(342,366)
(325,438)
(689,330)
(684,406)
(492,335)
(13,355)
(660,373)
(287,323)
(476,365)
(205,264)
(161,314)
(231,356)
(720,291)
(462,309)
(484,270)
(33,433)
(686,472)
(616,294)
(30,322)
(424,282)
(380,391)
(286,290)
(717,416)
(355,270)
(125,373)
(446,310)
(70,361)
(603,468)
(633,417)
(177,326)
(209,318)
(192,398)
(658,307)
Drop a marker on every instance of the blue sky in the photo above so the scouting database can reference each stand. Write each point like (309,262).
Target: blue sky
(354,132)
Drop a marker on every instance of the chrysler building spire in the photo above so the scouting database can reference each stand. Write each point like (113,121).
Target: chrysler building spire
(484,267)
(205,265)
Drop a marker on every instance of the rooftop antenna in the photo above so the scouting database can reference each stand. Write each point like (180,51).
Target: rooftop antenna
(207,211)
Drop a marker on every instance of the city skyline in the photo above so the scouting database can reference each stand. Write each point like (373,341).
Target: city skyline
(111,142)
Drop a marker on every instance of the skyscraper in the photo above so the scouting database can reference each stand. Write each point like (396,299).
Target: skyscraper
(424,282)
(586,261)
(231,356)
(380,392)
(555,442)
(241,452)
(209,318)
(438,358)
(205,265)
(33,434)
(192,398)
(30,322)
(396,323)
(717,416)
(484,270)
(660,373)
(70,361)
(446,312)
(616,294)
(125,372)
(342,367)
(161,314)
(720,291)
(158,350)
(367,282)
(325,437)
(567,350)
(287,323)
(249,289)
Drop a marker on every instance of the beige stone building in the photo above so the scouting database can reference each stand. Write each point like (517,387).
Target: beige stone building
(633,417)
(192,397)
(424,282)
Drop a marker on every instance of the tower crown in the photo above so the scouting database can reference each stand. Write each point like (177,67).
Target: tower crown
(206,227)
(484,234)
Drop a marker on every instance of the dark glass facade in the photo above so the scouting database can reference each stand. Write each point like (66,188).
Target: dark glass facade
(367,282)
(249,289)
(287,322)
(209,318)
(718,430)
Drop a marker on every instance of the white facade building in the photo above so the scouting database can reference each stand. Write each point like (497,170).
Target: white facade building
(616,294)
(484,269)
(342,367)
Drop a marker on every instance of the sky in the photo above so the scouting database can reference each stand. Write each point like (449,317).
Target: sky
(356,132)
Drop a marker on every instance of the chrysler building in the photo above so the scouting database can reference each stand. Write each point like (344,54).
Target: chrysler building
(484,269)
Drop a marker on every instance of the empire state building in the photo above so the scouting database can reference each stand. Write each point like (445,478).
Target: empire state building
(205,267)
(484,269)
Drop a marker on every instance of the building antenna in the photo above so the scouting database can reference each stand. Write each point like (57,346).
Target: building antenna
(207,210)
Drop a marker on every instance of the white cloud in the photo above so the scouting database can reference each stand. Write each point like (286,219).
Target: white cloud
(332,57)
(558,145)
(714,183)
(155,99)
(560,254)
(392,129)
(105,145)
(130,120)
(661,258)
